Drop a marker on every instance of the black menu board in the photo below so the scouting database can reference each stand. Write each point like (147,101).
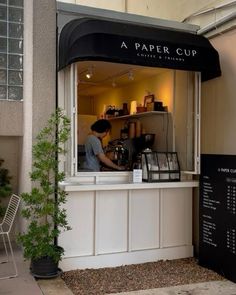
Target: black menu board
(218,214)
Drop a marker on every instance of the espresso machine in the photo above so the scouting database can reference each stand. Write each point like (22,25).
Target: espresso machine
(118,152)
(124,151)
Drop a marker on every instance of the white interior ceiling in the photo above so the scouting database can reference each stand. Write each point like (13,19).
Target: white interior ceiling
(106,75)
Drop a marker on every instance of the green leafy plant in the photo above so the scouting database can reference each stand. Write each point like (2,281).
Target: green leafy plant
(5,186)
(43,204)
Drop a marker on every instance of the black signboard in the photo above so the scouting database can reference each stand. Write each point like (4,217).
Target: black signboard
(217,248)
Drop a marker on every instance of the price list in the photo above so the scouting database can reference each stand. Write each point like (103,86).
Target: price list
(231,240)
(217,211)
(231,198)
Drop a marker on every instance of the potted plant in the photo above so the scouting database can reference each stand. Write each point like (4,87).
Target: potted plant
(46,218)
(5,187)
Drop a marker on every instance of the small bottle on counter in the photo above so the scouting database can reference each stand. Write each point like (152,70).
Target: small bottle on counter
(125,109)
(137,170)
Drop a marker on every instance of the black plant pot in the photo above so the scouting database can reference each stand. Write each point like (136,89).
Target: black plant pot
(44,267)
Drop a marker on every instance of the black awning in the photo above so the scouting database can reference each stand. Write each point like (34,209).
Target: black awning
(102,40)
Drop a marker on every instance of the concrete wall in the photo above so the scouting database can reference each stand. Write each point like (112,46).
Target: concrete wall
(39,79)
(39,76)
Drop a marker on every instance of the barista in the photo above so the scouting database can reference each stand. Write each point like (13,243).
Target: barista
(93,147)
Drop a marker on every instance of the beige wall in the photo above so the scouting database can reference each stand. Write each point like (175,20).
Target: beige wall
(118,5)
(11,118)
(219,101)
(168,9)
(160,86)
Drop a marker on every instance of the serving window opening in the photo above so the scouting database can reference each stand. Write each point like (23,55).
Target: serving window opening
(147,108)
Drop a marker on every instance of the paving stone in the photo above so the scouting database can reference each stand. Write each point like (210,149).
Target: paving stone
(54,286)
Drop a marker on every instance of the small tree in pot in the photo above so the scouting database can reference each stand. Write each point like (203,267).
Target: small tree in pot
(43,204)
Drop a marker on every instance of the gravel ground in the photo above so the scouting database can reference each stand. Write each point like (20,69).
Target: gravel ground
(138,277)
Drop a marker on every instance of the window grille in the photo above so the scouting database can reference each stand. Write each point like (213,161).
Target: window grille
(11,49)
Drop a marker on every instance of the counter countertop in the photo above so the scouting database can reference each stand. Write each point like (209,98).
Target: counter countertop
(77,186)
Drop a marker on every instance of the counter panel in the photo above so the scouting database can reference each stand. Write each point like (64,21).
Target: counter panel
(144,219)
(124,224)
(79,240)
(176,217)
(111,220)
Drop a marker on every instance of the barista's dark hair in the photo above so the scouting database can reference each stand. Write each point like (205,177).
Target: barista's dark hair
(101,126)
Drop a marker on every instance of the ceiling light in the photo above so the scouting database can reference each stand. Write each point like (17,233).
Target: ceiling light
(131,75)
(113,83)
(89,73)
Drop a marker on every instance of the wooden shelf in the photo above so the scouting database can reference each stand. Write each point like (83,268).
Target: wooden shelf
(138,115)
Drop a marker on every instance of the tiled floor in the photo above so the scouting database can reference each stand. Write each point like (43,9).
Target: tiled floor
(25,284)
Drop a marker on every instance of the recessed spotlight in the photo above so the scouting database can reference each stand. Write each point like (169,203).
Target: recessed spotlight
(131,75)
(89,73)
(113,83)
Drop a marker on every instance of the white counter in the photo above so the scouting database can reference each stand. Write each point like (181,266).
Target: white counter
(123,223)
(75,186)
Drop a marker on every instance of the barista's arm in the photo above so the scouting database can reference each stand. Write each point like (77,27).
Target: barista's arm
(103,158)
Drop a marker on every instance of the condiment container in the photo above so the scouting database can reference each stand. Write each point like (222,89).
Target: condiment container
(125,109)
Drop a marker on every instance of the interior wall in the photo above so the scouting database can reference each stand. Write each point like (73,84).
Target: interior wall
(85,105)
(161,86)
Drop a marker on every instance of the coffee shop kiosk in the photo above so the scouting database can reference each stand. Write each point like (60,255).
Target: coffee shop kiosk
(144,75)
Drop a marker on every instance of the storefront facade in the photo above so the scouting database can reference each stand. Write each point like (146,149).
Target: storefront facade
(120,222)
(40,76)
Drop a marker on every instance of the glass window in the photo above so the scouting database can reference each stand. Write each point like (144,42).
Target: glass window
(3,13)
(11,49)
(3,61)
(3,45)
(15,46)
(15,30)
(3,28)
(16,15)
(3,76)
(3,92)
(15,93)
(16,3)
(15,62)
(15,77)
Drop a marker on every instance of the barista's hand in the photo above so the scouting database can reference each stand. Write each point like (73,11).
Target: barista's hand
(105,160)
(121,168)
